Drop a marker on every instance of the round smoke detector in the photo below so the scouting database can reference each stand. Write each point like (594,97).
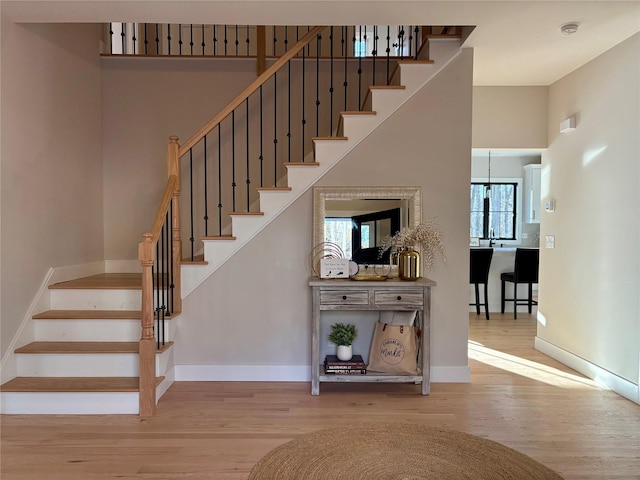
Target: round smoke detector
(569,28)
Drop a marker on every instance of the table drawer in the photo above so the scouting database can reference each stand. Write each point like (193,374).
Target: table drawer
(344,297)
(401,298)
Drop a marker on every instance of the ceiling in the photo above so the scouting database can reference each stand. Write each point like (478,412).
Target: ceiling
(515,42)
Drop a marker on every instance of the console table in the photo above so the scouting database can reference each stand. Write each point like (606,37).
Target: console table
(391,294)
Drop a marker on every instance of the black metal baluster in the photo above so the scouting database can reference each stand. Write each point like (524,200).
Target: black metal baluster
(401,41)
(135,29)
(226,40)
(163,276)
(123,37)
(165,290)
(247,40)
(237,42)
(191,238)
(191,38)
(359,69)
(345,53)
(233,160)
(219,182)
(374,53)
(417,36)
(171,251)
(215,40)
(248,181)
(331,83)
(261,157)
(180,38)
(110,37)
(146,42)
(203,43)
(304,120)
(156,286)
(169,38)
(275,129)
(206,191)
(157,41)
(388,52)
(275,42)
(286,46)
(318,49)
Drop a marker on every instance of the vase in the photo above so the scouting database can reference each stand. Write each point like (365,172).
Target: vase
(344,352)
(409,264)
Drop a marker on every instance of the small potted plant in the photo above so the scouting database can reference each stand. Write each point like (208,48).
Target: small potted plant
(343,336)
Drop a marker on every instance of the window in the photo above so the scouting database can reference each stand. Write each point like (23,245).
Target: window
(496,218)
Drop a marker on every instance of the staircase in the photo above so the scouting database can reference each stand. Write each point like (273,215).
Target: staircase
(84,357)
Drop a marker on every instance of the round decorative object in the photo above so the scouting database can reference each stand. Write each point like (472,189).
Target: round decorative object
(324,250)
(371,451)
(409,265)
(353,268)
(344,352)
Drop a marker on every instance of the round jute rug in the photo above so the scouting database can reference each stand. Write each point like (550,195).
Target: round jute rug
(398,452)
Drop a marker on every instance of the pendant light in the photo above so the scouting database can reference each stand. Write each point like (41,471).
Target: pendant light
(487,203)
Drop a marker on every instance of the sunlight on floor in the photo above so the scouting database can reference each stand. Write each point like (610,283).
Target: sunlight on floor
(527,368)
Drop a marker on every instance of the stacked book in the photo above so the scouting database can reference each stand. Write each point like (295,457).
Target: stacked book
(355,366)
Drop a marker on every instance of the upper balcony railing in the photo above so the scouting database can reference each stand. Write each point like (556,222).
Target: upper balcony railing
(250,41)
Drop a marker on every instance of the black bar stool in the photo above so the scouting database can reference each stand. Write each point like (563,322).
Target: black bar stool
(525,271)
(480,261)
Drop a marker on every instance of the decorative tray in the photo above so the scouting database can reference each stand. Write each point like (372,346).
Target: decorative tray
(370,278)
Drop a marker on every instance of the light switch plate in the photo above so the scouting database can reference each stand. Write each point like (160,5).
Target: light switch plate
(550,241)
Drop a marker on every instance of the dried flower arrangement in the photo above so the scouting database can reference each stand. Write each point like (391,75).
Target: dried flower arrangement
(427,235)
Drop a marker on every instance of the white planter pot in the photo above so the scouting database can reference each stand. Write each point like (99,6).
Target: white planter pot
(344,352)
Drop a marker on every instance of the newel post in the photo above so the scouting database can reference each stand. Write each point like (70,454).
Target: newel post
(174,169)
(147,349)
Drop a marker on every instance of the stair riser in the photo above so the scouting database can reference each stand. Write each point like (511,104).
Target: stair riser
(78,365)
(96,299)
(413,76)
(272,202)
(87,330)
(70,403)
(92,330)
(386,101)
(358,125)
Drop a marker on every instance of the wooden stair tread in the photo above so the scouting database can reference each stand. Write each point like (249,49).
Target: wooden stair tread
(73,384)
(274,189)
(103,281)
(79,347)
(89,315)
(342,139)
(359,112)
(415,62)
(302,164)
(387,87)
(256,214)
(215,237)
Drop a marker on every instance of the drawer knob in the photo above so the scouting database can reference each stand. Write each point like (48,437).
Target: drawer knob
(344,297)
(399,297)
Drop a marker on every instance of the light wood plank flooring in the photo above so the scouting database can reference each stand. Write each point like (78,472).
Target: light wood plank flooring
(517,397)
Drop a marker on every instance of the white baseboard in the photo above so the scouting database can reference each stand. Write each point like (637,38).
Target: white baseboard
(69,403)
(286,373)
(601,376)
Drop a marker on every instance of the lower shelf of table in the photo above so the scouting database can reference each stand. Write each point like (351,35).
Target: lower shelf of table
(371,377)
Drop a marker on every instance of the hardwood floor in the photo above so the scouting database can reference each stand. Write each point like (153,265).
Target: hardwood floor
(517,397)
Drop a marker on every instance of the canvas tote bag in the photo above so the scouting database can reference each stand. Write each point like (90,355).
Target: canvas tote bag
(394,349)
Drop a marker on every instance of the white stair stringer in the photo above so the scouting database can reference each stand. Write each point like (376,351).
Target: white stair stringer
(328,152)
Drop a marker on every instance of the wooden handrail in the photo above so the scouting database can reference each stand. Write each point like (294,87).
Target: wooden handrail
(164,208)
(257,83)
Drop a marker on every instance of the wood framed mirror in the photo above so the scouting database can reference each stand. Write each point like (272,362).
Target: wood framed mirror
(351,204)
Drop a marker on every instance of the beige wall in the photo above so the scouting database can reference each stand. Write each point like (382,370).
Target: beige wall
(510,117)
(590,282)
(256,308)
(51,158)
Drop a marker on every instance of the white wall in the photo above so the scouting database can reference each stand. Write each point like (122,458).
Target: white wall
(51,158)
(510,117)
(589,283)
(256,309)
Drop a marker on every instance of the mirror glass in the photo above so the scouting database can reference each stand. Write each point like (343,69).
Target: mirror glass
(359,218)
